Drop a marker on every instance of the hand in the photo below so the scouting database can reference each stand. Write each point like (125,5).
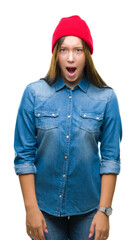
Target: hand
(35,223)
(100,224)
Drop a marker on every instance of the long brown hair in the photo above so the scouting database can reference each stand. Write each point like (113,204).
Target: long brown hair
(89,70)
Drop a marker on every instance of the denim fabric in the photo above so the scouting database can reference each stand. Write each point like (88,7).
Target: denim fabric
(67,139)
(69,228)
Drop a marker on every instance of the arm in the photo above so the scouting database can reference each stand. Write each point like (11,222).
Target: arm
(35,222)
(100,222)
(28,191)
(110,137)
(108,183)
(25,147)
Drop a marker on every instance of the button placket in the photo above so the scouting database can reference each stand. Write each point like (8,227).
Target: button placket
(66,150)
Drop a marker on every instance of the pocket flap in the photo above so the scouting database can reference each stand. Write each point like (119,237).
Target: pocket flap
(93,115)
(46,113)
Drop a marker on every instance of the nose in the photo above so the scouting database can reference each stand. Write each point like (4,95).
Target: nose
(70,56)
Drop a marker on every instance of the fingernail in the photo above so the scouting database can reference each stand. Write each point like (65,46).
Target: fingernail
(46,230)
(89,235)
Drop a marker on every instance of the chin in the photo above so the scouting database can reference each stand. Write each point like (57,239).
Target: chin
(72,79)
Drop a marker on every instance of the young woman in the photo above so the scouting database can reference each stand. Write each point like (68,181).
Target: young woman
(67,178)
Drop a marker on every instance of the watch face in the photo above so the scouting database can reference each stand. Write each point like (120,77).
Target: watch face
(109,211)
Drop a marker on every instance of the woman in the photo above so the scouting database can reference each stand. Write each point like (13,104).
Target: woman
(67,183)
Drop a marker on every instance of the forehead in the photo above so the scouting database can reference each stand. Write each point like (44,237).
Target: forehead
(72,41)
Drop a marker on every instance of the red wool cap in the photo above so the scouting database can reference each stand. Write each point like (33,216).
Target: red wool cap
(73,26)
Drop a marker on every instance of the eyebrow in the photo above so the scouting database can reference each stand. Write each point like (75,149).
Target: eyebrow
(74,47)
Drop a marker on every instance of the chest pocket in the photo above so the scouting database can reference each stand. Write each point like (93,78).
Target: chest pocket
(47,119)
(91,121)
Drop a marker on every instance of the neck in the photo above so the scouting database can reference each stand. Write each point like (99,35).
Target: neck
(74,83)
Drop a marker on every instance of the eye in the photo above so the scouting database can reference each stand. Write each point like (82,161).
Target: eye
(62,50)
(79,50)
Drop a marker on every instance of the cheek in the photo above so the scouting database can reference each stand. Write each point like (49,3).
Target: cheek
(82,63)
(60,62)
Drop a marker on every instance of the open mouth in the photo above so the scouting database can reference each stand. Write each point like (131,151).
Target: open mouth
(71,69)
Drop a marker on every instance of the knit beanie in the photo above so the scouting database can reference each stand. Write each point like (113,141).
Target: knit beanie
(73,26)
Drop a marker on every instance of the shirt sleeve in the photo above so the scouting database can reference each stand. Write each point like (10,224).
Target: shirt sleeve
(25,135)
(110,138)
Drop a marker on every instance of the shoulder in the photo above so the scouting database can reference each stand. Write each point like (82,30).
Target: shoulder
(101,94)
(39,88)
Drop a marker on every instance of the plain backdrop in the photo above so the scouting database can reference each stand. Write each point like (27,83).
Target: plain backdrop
(26,29)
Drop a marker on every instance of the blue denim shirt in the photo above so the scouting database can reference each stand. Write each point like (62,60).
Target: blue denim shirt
(67,139)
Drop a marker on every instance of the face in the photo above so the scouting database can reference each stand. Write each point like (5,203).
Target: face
(71,60)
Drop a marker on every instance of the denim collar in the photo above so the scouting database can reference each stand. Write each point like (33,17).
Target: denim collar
(83,84)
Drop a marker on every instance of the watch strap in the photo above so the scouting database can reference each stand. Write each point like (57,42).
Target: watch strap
(102,209)
(106,210)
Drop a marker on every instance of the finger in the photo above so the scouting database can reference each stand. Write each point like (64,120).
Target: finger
(103,236)
(41,234)
(97,235)
(106,236)
(28,230)
(44,225)
(35,234)
(29,233)
(92,228)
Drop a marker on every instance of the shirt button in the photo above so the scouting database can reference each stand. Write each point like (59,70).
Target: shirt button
(64,175)
(66,157)
(70,96)
(69,116)
(67,137)
(97,118)
(60,196)
(38,114)
(84,115)
(53,114)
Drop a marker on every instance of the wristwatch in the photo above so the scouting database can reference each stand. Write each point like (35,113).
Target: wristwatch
(106,210)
